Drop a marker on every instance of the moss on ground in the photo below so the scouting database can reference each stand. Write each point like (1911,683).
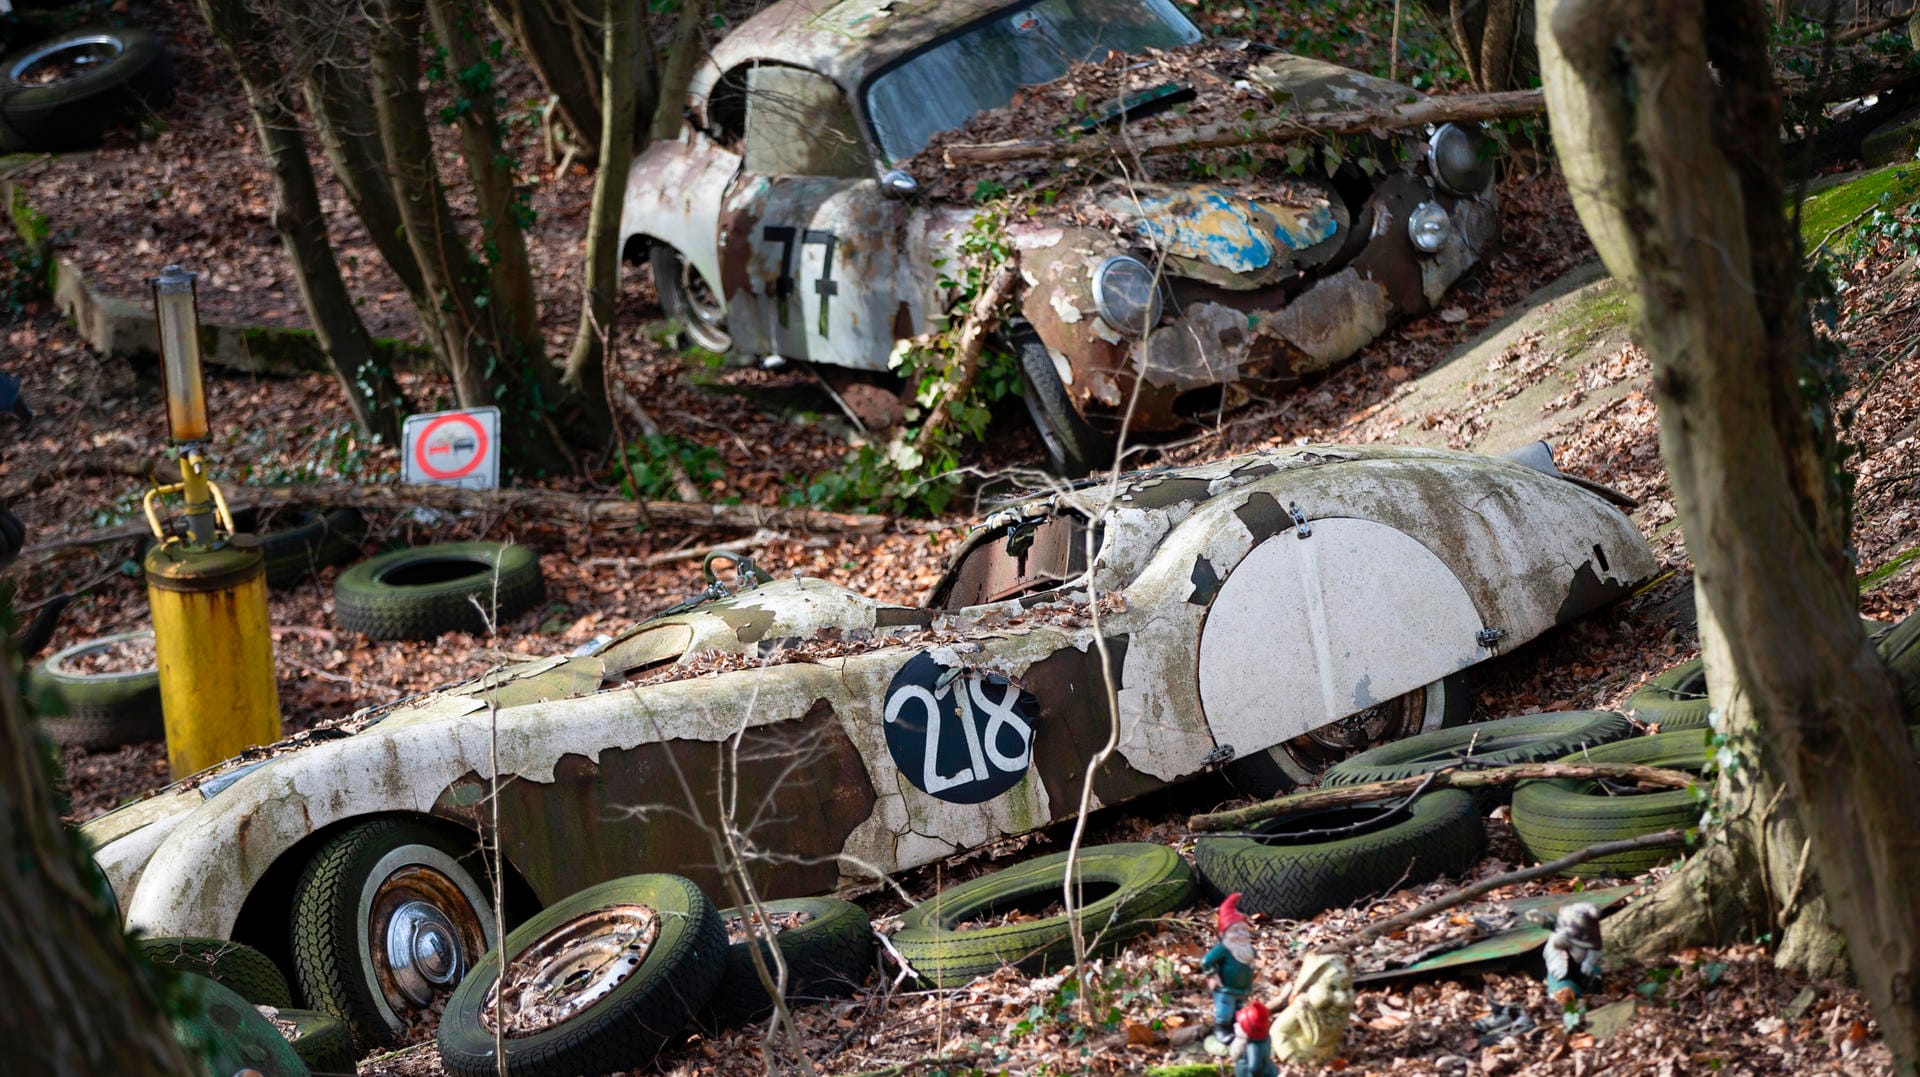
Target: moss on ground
(1596,309)
(1836,206)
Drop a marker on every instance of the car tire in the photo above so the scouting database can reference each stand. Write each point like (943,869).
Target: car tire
(1279,770)
(72,113)
(1074,447)
(298,541)
(1143,882)
(320,1039)
(1675,699)
(250,973)
(431,590)
(1295,878)
(687,297)
(1555,818)
(827,956)
(1530,738)
(226,1034)
(626,1024)
(373,885)
(96,710)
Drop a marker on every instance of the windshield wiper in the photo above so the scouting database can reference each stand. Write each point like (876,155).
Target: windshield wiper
(1139,105)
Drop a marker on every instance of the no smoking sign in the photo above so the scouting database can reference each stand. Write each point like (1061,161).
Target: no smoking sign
(453,448)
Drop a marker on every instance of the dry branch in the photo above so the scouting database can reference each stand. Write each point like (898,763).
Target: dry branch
(1145,140)
(981,318)
(1237,818)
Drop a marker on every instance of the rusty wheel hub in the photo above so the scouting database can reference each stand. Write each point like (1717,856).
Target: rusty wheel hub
(424,934)
(569,969)
(1378,724)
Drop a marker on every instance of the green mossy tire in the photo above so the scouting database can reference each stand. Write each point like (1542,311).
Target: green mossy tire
(381,598)
(828,956)
(96,710)
(320,1039)
(1675,699)
(1439,834)
(250,973)
(227,1034)
(626,1028)
(298,541)
(1555,818)
(1530,738)
(1148,881)
(332,953)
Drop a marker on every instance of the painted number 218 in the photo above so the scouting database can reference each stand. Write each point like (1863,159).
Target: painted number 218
(983,745)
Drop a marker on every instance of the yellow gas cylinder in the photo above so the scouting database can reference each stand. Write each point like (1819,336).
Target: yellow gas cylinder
(217,689)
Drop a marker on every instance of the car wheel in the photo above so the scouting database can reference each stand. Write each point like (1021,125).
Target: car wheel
(1127,888)
(687,297)
(1074,447)
(387,918)
(1675,699)
(1291,869)
(1530,738)
(1284,767)
(227,1034)
(64,92)
(98,710)
(827,954)
(320,1039)
(297,541)
(250,973)
(1555,818)
(429,590)
(597,983)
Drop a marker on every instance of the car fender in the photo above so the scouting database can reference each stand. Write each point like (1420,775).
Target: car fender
(673,196)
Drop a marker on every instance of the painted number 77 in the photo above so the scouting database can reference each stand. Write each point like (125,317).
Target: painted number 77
(825,287)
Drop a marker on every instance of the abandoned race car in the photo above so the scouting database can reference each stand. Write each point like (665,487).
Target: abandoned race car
(1274,611)
(780,223)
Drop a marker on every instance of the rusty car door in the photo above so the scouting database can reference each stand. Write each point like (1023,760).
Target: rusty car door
(812,252)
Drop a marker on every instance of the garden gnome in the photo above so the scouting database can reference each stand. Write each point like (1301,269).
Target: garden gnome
(1573,950)
(1231,963)
(1309,1029)
(1252,1054)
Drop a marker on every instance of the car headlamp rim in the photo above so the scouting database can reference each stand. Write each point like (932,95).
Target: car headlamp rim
(1460,158)
(1429,227)
(1118,302)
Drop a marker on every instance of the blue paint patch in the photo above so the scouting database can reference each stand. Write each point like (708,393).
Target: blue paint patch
(1211,225)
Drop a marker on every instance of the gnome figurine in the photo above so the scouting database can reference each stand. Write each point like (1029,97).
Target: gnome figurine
(1318,1006)
(1231,963)
(1252,1053)
(1573,950)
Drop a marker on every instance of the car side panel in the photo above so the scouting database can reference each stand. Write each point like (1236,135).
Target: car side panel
(674,193)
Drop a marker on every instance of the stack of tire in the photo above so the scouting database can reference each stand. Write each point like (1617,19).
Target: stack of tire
(245,1009)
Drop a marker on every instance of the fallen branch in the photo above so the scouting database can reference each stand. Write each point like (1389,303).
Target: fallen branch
(1486,886)
(981,318)
(543,504)
(1869,29)
(122,462)
(1447,778)
(1147,139)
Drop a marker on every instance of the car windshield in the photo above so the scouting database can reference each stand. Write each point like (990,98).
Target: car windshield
(944,85)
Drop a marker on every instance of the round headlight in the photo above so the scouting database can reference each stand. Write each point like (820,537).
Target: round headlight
(1429,227)
(1126,295)
(1461,159)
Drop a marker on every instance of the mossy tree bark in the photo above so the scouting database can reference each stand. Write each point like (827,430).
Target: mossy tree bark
(75,1000)
(1675,169)
(250,42)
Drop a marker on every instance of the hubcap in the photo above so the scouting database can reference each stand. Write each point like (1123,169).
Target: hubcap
(569,969)
(424,931)
(423,952)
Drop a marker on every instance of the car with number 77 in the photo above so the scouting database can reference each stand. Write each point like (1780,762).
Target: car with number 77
(1269,613)
(781,225)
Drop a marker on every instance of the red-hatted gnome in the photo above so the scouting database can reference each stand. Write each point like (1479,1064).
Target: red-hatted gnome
(1252,1054)
(1231,963)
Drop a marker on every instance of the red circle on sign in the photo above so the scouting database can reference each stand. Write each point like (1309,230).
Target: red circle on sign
(479,453)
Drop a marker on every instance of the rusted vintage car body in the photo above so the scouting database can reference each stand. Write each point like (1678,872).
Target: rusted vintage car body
(823,255)
(1241,606)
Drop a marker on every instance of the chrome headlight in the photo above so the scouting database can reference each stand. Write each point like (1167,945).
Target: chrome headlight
(1429,227)
(1126,295)
(1461,159)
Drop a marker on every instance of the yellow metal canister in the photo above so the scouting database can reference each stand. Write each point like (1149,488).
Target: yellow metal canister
(217,689)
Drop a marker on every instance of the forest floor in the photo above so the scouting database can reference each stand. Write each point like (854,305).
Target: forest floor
(198,195)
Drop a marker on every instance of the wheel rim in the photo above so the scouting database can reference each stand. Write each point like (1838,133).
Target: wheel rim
(706,312)
(1401,716)
(425,926)
(570,969)
(64,60)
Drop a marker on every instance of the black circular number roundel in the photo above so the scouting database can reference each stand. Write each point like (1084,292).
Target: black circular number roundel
(964,736)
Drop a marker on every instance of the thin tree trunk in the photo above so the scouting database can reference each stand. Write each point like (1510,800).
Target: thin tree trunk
(689,45)
(565,52)
(586,372)
(73,1000)
(371,391)
(1676,170)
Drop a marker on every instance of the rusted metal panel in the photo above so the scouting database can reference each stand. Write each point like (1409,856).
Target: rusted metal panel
(1225,237)
(673,196)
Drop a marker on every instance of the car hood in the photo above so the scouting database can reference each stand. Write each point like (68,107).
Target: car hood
(1236,238)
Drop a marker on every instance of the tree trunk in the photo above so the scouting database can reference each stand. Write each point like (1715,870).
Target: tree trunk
(586,376)
(1675,168)
(1493,37)
(371,391)
(564,50)
(74,999)
(689,46)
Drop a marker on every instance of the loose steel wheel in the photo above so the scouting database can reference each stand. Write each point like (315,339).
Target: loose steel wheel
(71,58)
(387,919)
(570,968)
